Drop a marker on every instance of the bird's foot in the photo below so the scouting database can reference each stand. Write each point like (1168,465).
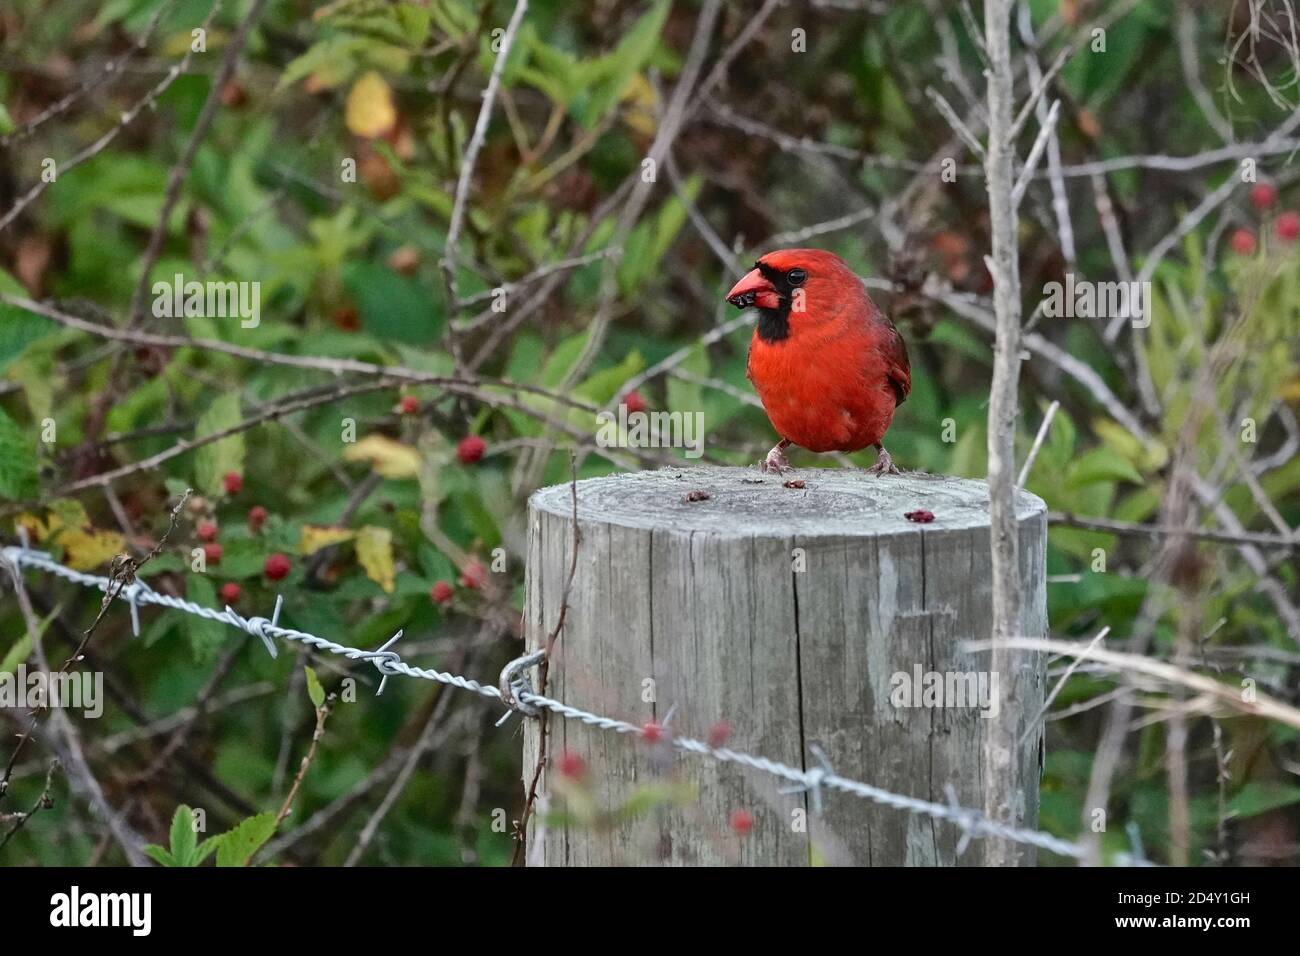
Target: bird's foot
(884,464)
(775,463)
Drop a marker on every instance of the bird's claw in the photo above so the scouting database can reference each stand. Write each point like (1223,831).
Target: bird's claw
(884,465)
(775,463)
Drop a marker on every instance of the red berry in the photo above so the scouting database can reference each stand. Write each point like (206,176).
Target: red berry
(470,449)
(233,482)
(207,531)
(920,516)
(277,567)
(474,576)
(634,402)
(1263,195)
(1243,242)
(742,821)
(212,553)
(230,592)
(653,732)
(571,766)
(441,592)
(1287,226)
(719,733)
(409,405)
(256,517)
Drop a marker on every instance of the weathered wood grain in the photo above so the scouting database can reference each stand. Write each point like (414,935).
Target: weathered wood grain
(787,613)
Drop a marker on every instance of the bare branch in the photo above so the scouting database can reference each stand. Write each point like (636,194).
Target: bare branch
(1045,133)
(1038,443)
(1001,747)
(956,122)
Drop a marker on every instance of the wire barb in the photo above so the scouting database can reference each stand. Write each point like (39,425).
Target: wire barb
(813,779)
(132,594)
(258,626)
(384,659)
(963,818)
(514,685)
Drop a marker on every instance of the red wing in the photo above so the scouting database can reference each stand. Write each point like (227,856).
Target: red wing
(898,368)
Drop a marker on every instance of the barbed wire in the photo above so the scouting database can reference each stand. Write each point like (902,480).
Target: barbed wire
(517,694)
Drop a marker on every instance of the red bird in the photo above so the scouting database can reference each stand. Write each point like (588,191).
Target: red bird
(828,366)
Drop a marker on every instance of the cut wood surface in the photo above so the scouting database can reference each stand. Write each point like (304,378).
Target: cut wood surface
(799,616)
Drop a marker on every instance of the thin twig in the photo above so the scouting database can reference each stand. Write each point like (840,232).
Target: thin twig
(43,802)
(1137,529)
(322,714)
(476,141)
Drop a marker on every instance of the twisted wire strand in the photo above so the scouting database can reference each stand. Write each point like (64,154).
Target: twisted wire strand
(971,822)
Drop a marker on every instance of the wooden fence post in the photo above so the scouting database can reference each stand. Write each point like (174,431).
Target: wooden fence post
(800,616)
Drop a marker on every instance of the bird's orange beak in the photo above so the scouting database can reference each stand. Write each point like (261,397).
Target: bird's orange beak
(752,290)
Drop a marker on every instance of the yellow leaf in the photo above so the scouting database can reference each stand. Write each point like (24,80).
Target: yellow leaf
(62,513)
(640,104)
(85,548)
(1291,391)
(370,110)
(37,529)
(375,552)
(389,458)
(315,537)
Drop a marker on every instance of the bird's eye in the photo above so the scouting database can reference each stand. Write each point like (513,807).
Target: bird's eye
(796,276)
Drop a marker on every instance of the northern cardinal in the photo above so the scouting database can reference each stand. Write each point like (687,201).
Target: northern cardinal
(828,366)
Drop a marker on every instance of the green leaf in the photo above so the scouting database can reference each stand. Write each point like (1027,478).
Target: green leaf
(333,60)
(159,855)
(1101,464)
(687,396)
(18,468)
(601,387)
(414,21)
(608,76)
(20,651)
(562,358)
(959,338)
(392,307)
(314,689)
(1260,796)
(213,461)
(19,328)
(184,842)
(236,847)
(22,647)
(240,558)
(205,636)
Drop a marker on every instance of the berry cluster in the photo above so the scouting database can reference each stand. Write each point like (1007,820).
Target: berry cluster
(1263,196)
(206,529)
